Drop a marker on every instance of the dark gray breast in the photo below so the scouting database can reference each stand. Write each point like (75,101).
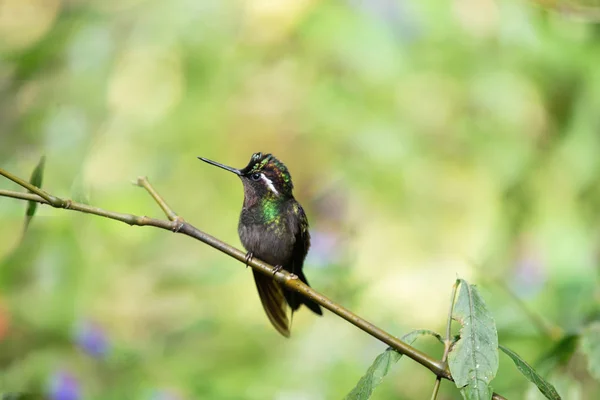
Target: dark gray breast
(272,243)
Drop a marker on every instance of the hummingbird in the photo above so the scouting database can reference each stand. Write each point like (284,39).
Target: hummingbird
(273,228)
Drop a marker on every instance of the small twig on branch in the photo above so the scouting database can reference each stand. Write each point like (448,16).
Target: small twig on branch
(447,342)
(142,181)
(177,221)
(290,281)
(32,188)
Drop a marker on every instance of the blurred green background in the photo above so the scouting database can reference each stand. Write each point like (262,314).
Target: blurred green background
(427,140)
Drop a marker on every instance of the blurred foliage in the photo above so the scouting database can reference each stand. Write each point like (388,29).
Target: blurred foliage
(426,139)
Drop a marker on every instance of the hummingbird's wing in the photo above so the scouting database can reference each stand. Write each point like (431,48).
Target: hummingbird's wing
(273,301)
(301,246)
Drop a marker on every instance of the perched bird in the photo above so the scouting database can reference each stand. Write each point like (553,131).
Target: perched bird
(273,228)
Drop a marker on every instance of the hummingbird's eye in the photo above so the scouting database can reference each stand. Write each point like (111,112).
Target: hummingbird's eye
(255,176)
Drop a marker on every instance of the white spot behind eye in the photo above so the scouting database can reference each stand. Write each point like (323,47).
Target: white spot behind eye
(269,184)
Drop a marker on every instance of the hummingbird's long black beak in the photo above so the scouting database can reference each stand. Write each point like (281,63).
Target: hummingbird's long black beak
(225,167)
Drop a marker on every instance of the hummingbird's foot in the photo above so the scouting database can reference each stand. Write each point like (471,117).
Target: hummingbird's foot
(277,269)
(248,258)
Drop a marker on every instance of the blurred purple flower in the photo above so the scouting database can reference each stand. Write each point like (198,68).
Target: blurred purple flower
(324,249)
(393,13)
(92,339)
(529,275)
(64,386)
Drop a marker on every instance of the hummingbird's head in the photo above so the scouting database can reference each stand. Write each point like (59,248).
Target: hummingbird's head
(264,175)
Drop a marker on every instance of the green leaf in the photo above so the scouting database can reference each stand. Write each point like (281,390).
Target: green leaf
(37,176)
(590,344)
(545,387)
(473,360)
(381,366)
(567,387)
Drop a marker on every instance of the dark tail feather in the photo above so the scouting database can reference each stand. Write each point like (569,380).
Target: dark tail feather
(295,300)
(272,298)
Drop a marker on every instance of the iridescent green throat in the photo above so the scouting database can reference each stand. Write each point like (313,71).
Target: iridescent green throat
(271,210)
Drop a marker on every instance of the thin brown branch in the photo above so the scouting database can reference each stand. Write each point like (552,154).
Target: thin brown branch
(129,219)
(291,281)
